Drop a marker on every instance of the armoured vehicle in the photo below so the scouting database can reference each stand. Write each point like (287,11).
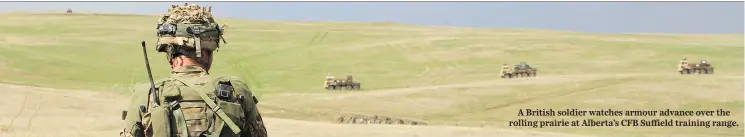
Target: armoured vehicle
(376,119)
(686,68)
(341,84)
(521,70)
(702,67)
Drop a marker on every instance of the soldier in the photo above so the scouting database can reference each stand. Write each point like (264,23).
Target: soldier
(505,68)
(329,76)
(190,102)
(683,63)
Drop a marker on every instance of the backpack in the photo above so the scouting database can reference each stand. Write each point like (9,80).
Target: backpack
(219,108)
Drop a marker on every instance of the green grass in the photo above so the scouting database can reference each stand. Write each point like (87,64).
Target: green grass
(96,52)
(280,62)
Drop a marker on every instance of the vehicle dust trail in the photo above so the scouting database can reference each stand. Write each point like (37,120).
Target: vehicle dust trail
(73,113)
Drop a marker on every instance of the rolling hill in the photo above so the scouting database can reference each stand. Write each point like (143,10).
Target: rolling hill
(447,76)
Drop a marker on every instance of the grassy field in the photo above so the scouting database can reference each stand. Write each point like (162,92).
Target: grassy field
(443,75)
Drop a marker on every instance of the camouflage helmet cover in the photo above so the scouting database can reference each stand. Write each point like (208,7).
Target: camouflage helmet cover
(186,28)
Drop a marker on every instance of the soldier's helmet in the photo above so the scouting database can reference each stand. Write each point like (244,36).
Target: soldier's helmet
(187,30)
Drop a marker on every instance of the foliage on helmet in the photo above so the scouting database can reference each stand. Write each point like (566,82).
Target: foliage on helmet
(186,28)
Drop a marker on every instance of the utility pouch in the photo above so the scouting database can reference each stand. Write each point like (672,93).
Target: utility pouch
(161,121)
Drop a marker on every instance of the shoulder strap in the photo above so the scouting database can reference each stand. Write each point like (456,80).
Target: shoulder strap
(213,106)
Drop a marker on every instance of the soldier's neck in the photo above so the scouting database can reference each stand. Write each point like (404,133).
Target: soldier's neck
(181,61)
(189,70)
(191,67)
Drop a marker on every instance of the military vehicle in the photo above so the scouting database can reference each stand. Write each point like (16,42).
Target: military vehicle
(341,84)
(702,67)
(376,119)
(522,70)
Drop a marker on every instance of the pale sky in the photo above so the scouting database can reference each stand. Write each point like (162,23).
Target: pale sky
(596,17)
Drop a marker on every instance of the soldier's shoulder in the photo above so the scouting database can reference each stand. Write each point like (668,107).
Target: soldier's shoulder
(232,79)
(235,81)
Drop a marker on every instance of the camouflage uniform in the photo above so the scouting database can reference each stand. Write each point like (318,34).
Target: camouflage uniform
(191,102)
(329,76)
(682,64)
(504,70)
(194,77)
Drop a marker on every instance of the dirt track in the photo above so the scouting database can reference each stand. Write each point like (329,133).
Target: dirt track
(33,111)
